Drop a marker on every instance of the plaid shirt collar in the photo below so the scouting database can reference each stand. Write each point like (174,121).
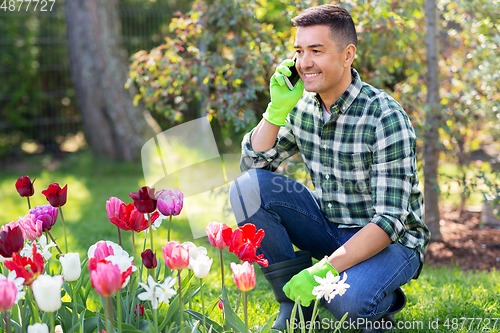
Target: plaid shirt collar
(348,97)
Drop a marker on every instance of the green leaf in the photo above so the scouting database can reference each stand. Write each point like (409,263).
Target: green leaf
(232,319)
(209,322)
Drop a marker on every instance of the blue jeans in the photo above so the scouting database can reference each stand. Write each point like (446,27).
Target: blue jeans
(290,215)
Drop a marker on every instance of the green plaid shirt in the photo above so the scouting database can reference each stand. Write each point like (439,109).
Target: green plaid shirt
(361,161)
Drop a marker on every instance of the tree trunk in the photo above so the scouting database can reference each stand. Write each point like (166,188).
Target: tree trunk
(431,136)
(113,126)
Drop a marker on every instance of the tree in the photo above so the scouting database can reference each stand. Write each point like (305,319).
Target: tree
(431,136)
(114,127)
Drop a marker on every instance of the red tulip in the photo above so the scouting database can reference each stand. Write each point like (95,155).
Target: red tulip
(117,212)
(176,255)
(25,186)
(11,240)
(244,276)
(19,264)
(245,242)
(170,201)
(144,200)
(149,259)
(219,234)
(106,277)
(55,195)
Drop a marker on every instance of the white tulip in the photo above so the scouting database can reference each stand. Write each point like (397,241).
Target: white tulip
(194,252)
(71,266)
(38,328)
(201,265)
(47,292)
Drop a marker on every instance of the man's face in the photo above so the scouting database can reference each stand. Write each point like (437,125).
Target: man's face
(319,63)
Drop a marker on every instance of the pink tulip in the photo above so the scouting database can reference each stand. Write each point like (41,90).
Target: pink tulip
(176,255)
(103,250)
(106,277)
(32,227)
(169,202)
(243,275)
(8,294)
(218,234)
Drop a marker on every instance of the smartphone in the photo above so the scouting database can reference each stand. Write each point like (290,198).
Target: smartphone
(291,81)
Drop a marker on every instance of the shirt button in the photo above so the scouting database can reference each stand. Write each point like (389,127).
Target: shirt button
(324,146)
(329,205)
(327,176)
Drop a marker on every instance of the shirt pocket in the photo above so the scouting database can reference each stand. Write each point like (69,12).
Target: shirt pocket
(351,172)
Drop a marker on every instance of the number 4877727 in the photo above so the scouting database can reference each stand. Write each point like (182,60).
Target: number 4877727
(17,5)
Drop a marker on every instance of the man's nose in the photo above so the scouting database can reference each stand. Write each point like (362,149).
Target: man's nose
(305,62)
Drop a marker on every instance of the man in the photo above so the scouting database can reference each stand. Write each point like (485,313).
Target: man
(365,216)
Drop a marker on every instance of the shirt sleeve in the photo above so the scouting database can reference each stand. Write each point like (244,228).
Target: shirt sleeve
(393,172)
(284,147)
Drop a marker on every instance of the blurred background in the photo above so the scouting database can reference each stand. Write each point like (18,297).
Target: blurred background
(90,81)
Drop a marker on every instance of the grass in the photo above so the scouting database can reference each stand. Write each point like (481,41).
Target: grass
(436,301)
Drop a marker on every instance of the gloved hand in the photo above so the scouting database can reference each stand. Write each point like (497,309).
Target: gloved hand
(282,99)
(303,283)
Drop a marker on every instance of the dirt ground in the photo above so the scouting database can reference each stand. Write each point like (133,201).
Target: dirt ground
(466,243)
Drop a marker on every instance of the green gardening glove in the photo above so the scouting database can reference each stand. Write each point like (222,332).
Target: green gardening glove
(282,99)
(303,283)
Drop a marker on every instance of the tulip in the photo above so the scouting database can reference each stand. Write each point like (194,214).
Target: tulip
(106,277)
(24,186)
(149,259)
(194,251)
(170,201)
(176,255)
(139,310)
(8,294)
(244,276)
(144,200)
(201,265)
(136,220)
(70,263)
(113,253)
(47,214)
(55,195)
(219,235)
(19,264)
(244,243)
(11,241)
(32,227)
(38,328)
(47,292)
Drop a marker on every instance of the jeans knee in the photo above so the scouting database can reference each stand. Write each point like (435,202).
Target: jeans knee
(244,195)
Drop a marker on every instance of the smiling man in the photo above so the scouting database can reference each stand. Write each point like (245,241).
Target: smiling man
(364,216)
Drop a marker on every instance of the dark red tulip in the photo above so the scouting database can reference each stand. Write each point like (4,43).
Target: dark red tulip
(144,200)
(139,310)
(149,259)
(56,195)
(11,241)
(25,186)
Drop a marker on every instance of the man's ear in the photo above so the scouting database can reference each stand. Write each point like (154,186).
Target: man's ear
(349,55)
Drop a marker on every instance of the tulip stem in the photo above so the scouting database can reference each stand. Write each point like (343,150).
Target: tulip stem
(203,306)
(106,314)
(119,310)
(169,222)
(52,323)
(315,313)
(155,318)
(246,311)
(57,247)
(151,239)
(29,205)
(64,229)
(7,321)
(180,296)
(120,237)
(75,308)
(222,268)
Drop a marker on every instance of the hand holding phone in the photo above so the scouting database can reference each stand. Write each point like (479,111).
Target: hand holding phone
(292,80)
(284,95)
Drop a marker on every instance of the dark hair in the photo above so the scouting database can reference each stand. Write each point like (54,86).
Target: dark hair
(337,18)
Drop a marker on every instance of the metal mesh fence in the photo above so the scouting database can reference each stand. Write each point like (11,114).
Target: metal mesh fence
(38,110)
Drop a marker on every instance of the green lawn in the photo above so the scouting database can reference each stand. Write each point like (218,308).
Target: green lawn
(443,298)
